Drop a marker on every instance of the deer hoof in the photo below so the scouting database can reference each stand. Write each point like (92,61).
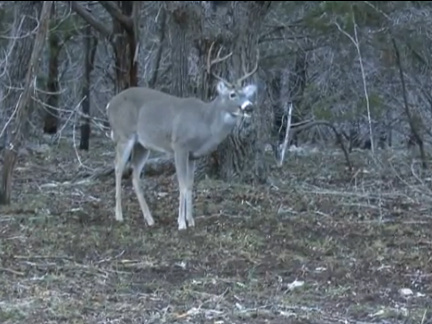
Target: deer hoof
(191,223)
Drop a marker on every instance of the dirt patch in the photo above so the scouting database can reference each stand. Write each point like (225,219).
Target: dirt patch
(316,245)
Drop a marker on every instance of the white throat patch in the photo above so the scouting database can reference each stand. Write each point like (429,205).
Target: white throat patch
(229,118)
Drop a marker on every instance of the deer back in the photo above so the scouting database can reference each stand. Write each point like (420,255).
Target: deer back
(123,110)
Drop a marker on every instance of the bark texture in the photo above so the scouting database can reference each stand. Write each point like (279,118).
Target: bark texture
(241,156)
(53,87)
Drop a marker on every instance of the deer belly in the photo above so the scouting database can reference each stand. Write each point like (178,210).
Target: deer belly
(155,144)
(204,149)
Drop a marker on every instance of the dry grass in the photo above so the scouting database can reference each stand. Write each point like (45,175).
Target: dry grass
(318,245)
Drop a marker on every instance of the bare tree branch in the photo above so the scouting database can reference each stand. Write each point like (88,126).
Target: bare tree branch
(88,17)
(338,135)
(117,14)
(414,128)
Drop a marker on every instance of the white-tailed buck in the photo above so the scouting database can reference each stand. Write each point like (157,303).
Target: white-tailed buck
(144,119)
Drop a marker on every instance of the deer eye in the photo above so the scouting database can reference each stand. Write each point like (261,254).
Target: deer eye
(232,95)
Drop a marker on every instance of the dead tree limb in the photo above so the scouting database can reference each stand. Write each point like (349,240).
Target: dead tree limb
(90,19)
(287,137)
(414,128)
(339,138)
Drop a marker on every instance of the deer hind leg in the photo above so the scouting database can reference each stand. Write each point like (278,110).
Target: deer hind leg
(181,158)
(123,151)
(189,190)
(139,157)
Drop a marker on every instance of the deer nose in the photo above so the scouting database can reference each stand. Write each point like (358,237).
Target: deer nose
(247,106)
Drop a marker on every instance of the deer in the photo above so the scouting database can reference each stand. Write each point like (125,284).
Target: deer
(143,120)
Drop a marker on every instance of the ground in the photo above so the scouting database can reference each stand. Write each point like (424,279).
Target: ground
(317,244)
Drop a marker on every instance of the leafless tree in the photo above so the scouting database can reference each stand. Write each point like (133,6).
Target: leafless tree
(123,36)
(90,45)
(23,74)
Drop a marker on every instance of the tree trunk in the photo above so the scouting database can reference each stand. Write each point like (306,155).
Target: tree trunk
(123,37)
(51,113)
(194,26)
(24,49)
(184,26)
(241,156)
(125,46)
(180,26)
(154,78)
(90,44)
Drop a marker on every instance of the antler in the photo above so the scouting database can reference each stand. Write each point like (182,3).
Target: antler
(248,74)
(217,60)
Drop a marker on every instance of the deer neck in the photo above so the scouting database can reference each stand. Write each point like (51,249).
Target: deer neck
(219,124)
(222,122)
(220,116)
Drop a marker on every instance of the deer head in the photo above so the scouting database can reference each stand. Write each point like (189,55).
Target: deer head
(238,96)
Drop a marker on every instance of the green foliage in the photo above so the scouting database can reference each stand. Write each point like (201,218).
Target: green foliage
(323,113)
(376,106)
(315,19)
(324,108)
(41,80)
(67,27)
(321,106)
(61,31)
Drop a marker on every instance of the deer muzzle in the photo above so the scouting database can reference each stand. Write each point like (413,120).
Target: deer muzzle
(247,107)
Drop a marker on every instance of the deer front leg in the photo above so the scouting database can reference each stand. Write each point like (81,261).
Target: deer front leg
(181,158)
(181,220)
(189,191)
(123,151)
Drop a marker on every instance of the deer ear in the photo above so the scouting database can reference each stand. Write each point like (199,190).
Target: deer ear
(221,88)
(249,90)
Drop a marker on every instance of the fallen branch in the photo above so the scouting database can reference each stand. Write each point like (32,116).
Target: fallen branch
(338,135)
